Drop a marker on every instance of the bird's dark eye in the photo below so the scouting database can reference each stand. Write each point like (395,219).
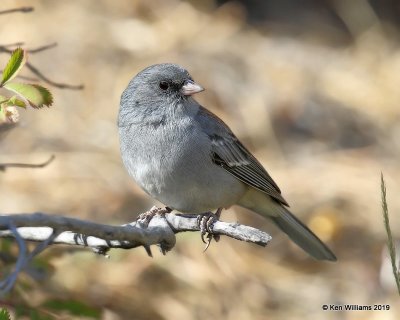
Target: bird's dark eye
(164,85)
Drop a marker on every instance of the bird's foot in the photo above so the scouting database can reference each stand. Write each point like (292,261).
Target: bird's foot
(145,217)
(206,222)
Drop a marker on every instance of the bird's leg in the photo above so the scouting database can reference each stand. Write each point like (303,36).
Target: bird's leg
(145,217)
(206,222)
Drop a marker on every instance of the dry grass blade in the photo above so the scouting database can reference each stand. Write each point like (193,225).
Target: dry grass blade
(390,243)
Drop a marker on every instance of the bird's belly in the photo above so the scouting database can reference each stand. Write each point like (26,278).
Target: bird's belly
(185,179)
(201,192)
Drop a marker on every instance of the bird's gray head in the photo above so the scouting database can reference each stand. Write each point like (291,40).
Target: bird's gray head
(155,88)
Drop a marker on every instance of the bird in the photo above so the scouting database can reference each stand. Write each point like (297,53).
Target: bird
(186,157)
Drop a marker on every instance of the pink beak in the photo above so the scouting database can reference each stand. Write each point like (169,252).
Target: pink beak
(190,87)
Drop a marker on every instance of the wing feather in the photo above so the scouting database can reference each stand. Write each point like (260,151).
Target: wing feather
(229,153)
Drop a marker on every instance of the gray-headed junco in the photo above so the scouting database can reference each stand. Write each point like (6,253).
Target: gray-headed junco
(187,158)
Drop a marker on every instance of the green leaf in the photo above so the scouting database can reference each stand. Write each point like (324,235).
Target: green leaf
(14,101)
(36,96)
(74,307)
(4,315)
(16,62)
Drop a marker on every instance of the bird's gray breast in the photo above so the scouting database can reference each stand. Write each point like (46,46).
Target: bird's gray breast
(171,161)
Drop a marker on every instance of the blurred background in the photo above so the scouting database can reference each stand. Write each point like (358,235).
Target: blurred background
(310,86)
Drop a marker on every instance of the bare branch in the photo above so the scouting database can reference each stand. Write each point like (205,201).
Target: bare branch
(4,166)
(26,78)
(60,85)
(86,233)
(23,257)
(21,9)
(3,47)
(42,48)
(160,229)
(39,74)
(8,282)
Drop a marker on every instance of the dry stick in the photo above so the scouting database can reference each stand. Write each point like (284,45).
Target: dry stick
(60,85)
(42,48)
(40,75)
(160,230)
(23,257)
(4,47)
(21,9)
(30,79)
(4,166)
(7,284)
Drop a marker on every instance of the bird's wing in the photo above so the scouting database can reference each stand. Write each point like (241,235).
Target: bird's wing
(229,153)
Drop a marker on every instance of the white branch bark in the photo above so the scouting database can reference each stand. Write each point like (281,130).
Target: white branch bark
(151,228)
(161,230)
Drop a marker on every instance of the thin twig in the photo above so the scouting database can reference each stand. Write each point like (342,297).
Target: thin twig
(5,47)
(4,166)
(38,73)
(26,78)
(23,258)
(60,85)
(16,44)
(9,281)
(42,48)
(21,9)
(30,79)
(390,242)
(43,245)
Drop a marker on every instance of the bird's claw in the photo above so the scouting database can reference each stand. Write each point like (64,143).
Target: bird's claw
(206,222)
(145,217)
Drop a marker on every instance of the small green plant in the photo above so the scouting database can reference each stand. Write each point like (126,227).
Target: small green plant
(390,242)
(22,95)
(4,315)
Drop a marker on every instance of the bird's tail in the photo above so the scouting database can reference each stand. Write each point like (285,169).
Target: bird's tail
(302,235)
(292,226)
